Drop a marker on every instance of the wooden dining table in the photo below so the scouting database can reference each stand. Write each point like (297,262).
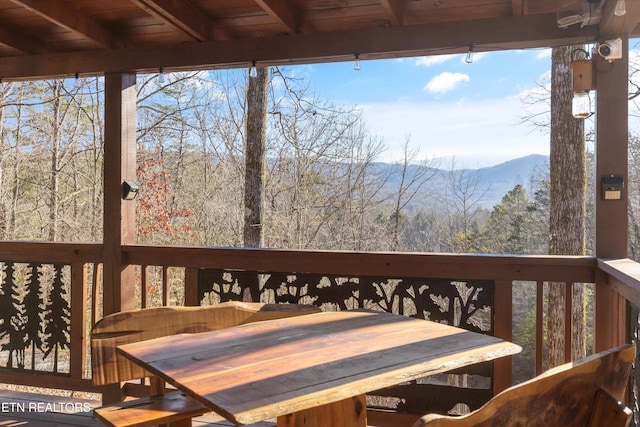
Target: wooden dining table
(312,370)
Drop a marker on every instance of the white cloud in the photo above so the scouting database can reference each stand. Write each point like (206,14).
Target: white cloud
(474,131)
(446,82)
(544,54)
(428,61)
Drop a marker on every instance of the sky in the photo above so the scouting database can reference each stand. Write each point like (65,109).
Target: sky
(446,108)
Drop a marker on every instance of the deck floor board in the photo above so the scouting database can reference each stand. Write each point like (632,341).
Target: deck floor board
(43,410)
(20,409)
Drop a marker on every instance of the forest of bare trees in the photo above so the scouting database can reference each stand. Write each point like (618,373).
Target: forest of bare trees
(321,187)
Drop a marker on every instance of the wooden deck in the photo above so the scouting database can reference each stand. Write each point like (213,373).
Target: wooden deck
(40,410)
(43,410)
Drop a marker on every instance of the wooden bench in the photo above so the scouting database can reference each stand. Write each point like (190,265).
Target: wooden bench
(160,407)
(585,393)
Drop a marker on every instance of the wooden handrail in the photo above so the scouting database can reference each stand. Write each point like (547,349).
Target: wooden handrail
(623,275)
(479,267)
(51,252)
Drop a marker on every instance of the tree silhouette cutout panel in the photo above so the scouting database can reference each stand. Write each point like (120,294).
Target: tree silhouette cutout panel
(35,316)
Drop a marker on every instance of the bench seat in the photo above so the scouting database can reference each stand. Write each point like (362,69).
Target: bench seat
(172,407)
(149,411)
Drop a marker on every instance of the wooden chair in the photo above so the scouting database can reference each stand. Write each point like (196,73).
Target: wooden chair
(158,407)
(585,393)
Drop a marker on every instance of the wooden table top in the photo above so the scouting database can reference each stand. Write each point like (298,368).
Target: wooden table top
(263,370)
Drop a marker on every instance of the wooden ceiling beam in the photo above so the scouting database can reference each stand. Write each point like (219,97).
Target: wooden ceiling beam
(612,25)
(283,12)
(394,10)
(13,37)
(61,13)
(379,42)
(179,14)
(517,7)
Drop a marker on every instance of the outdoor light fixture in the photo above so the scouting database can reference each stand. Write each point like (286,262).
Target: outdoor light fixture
(581,12)
(469,58)
(581,105)
(161,76)
(76,82)
(583,82)
(129,189)
(356,62)
(612,187)
(621,8)
(253,71)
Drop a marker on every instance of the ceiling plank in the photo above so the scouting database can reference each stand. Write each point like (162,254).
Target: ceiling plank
(180,14)
(283,12)
(62,14)
(13,37)
(394,10)
(517,6)
(372,43)
(611,24)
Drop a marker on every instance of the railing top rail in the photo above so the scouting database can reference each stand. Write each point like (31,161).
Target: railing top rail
(623,276)
(51,252)
(434,265)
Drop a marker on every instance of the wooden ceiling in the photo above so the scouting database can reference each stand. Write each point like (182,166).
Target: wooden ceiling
(46,38)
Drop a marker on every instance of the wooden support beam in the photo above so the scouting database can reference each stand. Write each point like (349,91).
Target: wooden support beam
(13,37)
(181,15)
(380,42)
(120,164)
(282,11)
(519,7)
(612,136)
(612,25)
(394,10)
(61,13)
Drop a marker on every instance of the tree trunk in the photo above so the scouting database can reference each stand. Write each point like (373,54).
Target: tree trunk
(567,204)
(54,196)
(254,158)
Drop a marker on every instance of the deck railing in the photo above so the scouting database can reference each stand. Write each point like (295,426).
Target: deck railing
(174,275)
(45,298)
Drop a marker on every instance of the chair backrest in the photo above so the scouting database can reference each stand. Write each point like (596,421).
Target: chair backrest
(569,395)
(108,367)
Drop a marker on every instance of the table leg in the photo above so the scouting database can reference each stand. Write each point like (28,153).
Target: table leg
(350,412)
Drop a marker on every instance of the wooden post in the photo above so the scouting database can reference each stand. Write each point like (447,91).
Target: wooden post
(120,164)
(503,327)
(350,412)
(191,287)
(78,333)
(611,150)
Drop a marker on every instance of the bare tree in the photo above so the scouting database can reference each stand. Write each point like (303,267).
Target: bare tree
(255,156)
(463,199)
(320,180)
(413,175)
(567,203)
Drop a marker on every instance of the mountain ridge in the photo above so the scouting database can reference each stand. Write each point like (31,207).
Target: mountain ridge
(488,184)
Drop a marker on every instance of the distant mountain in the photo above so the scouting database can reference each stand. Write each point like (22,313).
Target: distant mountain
(501,178)
(487,185)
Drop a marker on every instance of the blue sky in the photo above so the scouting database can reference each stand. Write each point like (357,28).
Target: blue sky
(446,107)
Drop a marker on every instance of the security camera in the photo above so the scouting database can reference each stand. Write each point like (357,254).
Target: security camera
(610,49)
